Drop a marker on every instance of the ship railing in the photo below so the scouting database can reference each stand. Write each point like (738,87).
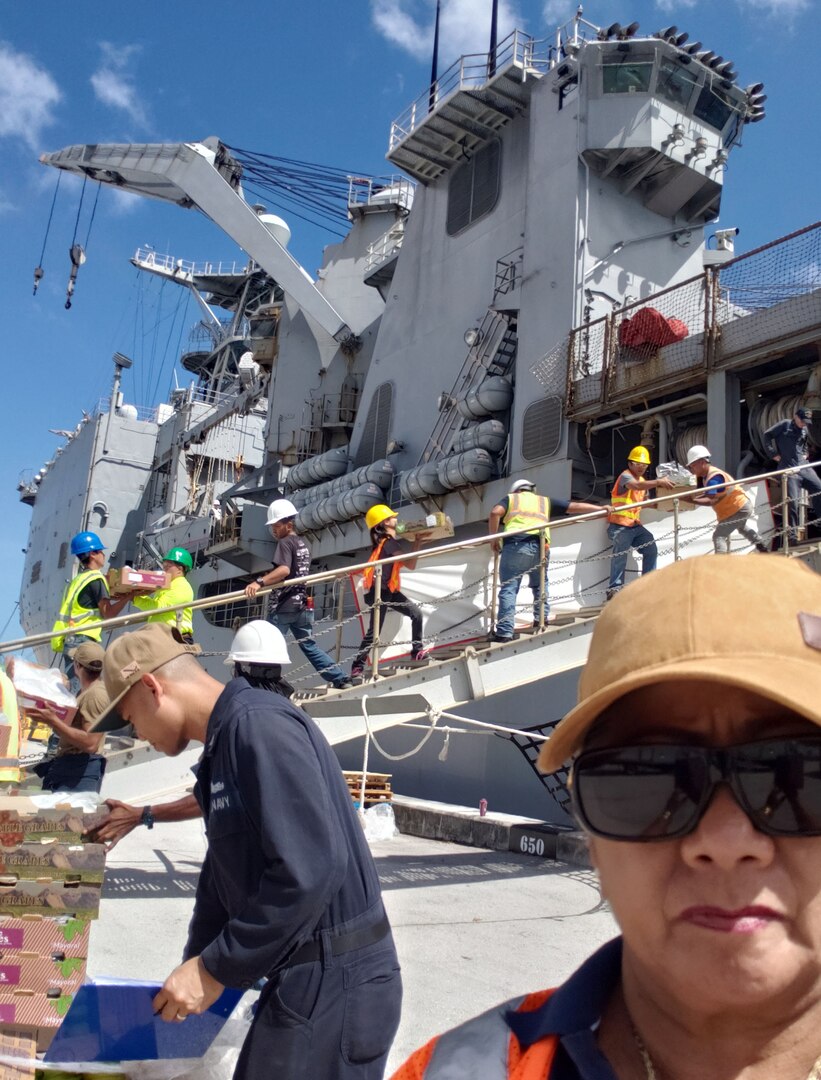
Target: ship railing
(168,264)
(364,191)
(677,539)
(508,272)
(386,246)
(144,412)
(474,71)
(593,368)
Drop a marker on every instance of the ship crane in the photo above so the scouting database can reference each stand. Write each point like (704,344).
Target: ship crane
(205,176)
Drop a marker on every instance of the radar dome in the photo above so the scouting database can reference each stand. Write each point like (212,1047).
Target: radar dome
(128,411)
(278,228)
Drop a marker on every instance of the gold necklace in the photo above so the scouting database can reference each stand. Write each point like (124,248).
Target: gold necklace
(650,1069)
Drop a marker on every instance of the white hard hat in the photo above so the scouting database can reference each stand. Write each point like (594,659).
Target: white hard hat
(279,510)
(696,453)
(521,485)
(258,642)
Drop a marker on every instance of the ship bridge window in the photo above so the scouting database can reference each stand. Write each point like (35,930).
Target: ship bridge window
(675,83)
(474,188)
(624,74)
(714,107)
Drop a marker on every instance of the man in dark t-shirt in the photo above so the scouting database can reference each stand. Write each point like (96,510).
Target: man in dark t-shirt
(289,605)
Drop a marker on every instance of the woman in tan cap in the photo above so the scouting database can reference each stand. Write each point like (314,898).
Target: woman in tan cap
(696,775)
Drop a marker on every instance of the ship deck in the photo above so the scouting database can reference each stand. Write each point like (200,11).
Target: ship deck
(472,926)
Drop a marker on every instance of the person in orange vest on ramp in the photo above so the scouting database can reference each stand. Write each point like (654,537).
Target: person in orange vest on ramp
(624,526)
(381,521)
(732,506)
(693,753)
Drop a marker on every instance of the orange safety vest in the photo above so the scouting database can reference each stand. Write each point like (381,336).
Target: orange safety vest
(731,501)
(393,582)
(625,516)
(484,1047)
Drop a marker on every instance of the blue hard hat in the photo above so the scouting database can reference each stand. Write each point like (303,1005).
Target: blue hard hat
(84,542)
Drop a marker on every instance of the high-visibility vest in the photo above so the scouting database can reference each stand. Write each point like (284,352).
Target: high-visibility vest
(393,581)
(72,614)
(8,702)
(484,1047)
(626,516)
(527,510)
(731,501)
(169,596)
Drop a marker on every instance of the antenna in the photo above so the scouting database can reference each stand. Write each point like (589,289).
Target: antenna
(434,66)
(494,27)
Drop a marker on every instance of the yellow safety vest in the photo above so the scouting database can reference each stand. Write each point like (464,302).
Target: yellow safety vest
(176,593)
(631,496)
(72,614)
(10,759)
(527,510)
(731,501)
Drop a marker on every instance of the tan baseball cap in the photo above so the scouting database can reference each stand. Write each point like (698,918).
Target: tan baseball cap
(751,621)
(89,655)
(133,655)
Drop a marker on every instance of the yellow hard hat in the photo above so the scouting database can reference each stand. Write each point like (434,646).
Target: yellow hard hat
(377,514)
(640,454)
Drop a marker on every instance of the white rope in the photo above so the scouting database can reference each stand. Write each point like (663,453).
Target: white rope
(395,757)
(492,727)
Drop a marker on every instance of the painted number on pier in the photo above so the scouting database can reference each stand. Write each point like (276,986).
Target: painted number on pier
(532,842)
(531,845)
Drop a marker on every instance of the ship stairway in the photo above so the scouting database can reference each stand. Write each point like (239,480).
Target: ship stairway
(493,354)
(408,691)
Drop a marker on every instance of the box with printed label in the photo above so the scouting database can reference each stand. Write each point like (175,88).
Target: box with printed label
(21,819)
(53,860)
(433,527)
(41,973)
(37,1008)
(54,897)
(125,580)
(44,936)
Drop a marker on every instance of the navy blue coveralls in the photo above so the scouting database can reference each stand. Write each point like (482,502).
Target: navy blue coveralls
(790,442)
(289,890)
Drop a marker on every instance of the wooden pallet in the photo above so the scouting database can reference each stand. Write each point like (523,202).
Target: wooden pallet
(377,786)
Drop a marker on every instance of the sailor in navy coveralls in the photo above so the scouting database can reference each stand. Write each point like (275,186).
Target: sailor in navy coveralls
(288,889)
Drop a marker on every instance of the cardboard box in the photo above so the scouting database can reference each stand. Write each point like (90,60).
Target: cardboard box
(18,1043)
(44,936)
(683,489)
(52,897)
(125,580)
(51,859)
(34,1008)
(42,973)
(433,527)
(22,819)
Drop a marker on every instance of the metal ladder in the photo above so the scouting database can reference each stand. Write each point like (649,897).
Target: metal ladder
(493,354)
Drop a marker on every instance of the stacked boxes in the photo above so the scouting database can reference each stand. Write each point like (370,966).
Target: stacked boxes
(50,885)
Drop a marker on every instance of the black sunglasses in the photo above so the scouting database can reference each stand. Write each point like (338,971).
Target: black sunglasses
(659,792)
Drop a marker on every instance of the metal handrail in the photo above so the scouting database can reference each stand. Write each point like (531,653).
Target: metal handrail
(147,257)
(427,553)
(472,71)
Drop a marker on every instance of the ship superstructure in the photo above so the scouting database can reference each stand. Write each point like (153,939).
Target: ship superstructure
(471,327)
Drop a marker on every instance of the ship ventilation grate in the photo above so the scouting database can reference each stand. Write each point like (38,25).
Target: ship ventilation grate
(375,434)
(542,429)
(555,783)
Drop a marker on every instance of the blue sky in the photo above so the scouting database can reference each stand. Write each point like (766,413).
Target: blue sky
(318,80)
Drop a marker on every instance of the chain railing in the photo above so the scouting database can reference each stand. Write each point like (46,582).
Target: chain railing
(674,543)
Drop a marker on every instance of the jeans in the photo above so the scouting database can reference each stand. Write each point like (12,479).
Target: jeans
(808,480)
(624,537)
(397,602)
(301,623)
(519,557)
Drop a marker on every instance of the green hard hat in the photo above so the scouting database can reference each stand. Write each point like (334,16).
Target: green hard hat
(181,556)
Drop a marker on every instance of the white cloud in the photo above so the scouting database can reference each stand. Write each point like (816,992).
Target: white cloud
(28,95)
(114,83)
(120,201)
(557,12)
(675,5)
(408,24)
(778,7)
(6,205)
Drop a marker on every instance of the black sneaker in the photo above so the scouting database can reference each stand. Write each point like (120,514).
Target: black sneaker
(501,637)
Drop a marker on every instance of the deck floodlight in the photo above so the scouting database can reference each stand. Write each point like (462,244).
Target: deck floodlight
(754,88)
(693,48)
(714,61)
(725,69)
(666,33)
(613,30)
(705,57)
(680,39)
(629,31)
(472,336)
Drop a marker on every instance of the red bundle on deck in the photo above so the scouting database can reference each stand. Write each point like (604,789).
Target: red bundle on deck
(649,327)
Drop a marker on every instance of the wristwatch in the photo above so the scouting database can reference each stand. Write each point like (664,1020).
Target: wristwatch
(261,582)
(147,818)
